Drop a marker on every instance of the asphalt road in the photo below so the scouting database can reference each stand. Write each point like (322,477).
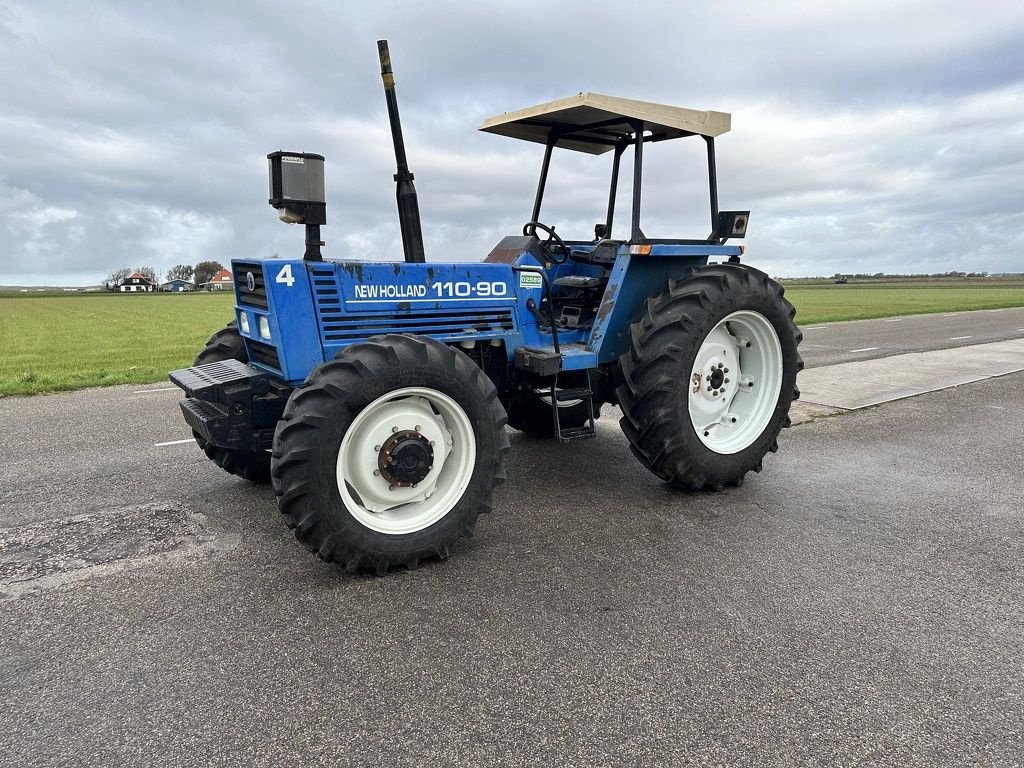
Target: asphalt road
(832,343)
(857,603)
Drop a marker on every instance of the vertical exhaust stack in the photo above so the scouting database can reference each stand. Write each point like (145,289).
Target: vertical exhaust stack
(408,205)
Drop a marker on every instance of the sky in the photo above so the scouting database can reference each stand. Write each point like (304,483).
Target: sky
(866,136)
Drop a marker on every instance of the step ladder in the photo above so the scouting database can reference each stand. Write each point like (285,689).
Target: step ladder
(565,394)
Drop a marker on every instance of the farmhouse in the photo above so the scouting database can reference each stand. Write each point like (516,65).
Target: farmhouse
(135,282)
(219,282)
(178,286)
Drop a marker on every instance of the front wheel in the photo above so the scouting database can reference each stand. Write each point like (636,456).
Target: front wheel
(387,455)
(710,376)
(254,466)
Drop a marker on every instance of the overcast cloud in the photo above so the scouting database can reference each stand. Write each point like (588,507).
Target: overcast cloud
(866,137)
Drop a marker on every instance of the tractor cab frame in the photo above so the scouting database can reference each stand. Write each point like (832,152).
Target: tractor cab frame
(596,124)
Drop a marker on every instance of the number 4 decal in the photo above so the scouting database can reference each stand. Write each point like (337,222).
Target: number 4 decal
(285,276)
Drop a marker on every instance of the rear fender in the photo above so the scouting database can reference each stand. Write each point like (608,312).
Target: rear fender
(633,280)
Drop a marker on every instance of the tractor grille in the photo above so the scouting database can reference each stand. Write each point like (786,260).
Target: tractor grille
(257,297)
(264,354)
(337,326)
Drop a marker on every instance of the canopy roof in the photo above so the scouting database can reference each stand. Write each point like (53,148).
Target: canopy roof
(593,122)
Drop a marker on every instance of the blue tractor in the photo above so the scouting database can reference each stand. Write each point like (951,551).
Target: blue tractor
(375,395)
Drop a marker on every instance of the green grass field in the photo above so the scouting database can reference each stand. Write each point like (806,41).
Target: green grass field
(53,343)
(59,342)
(825,302)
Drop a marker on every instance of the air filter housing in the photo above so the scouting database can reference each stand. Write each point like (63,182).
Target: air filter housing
(297,187)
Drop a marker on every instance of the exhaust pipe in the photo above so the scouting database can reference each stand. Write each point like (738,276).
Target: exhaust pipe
(408,205)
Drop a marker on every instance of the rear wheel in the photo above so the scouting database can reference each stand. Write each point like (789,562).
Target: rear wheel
(227,344)
(710,376)
(387,455)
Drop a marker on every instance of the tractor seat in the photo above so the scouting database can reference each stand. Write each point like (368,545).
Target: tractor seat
(603,255)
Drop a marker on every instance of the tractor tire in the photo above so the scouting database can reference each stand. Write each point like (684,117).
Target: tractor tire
(227,344)
(710,376)
(531,413)
(387,454)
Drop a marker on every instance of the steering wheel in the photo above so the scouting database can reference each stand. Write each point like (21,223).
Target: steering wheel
(553,246)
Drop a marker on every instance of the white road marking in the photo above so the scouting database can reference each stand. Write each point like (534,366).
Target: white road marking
(893,320)
(959,338)
(814,328)
(865,349)
(147,391)
(173,442)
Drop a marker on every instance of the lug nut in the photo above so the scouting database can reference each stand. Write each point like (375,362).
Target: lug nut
(715,393)
(391,487)
(394,429)
(709,386)
(376,447)
(725,371)
(726,381)
(376,473)
(417,428)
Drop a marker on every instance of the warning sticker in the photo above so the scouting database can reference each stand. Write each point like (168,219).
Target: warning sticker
(530,280)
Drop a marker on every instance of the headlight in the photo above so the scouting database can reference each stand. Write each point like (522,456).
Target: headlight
(264,328)
(243,322)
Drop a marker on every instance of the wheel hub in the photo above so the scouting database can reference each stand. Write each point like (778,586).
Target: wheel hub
(405,459)
(712,381)
(716,378)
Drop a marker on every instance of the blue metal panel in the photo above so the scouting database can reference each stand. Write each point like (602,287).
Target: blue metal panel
(633,280)
(449,302)
(314,309)
(707,250)
(293,348)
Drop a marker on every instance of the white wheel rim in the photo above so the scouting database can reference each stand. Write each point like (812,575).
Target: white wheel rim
(384,506)
(544,395)
(735,382)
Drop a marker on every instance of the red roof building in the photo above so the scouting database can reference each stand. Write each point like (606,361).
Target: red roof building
(223,280)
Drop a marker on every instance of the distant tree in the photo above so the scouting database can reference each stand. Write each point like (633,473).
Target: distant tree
(206,269)
(180,272)
(117,274)
(149,272)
